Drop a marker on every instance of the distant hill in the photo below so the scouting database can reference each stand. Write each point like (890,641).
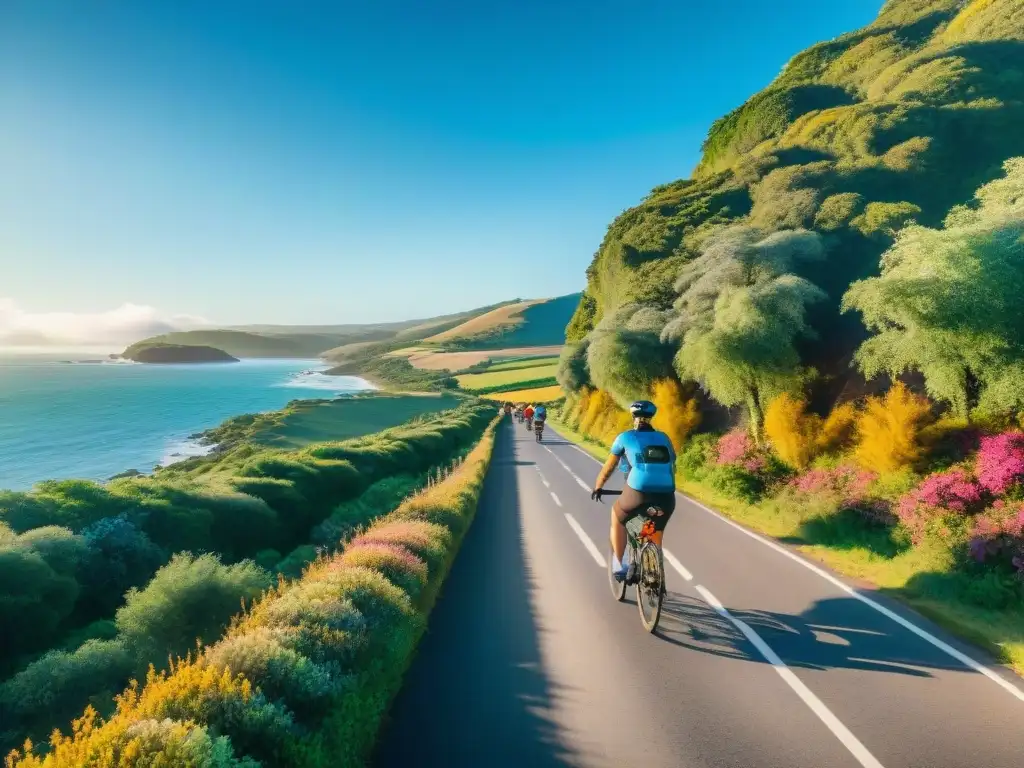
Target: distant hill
(534,322)
(248,344)
(156,352)
(311,341)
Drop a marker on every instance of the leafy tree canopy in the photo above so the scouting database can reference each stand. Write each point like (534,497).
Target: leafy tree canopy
(950,302)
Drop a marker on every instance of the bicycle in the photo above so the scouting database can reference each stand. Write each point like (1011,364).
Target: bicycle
(538,428)
(646,568)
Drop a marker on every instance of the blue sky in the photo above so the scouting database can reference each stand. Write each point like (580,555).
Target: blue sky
(316,162)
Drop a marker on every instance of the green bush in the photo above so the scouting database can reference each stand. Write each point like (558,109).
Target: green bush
(189,599)
(54,687)
(735,482)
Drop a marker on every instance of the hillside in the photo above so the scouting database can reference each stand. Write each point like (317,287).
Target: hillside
(310,341)
(250,344)
(155,352)
(898,121)
(534,322)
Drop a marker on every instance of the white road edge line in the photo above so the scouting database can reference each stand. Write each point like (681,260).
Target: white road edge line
(557,500)
(677,565)
(591,547)
(840,731)
(928,637)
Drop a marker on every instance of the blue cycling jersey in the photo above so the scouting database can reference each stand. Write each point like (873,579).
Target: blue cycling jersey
(648,458)
(541,413)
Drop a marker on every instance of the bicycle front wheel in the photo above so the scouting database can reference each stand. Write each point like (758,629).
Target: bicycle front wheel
(650,589)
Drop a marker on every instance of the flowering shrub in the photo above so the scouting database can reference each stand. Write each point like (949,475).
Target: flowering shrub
(734,447)
(792,430)
(888,430)
(845,480)
(677,414)
(1000,462)
(941,493)
(999,532)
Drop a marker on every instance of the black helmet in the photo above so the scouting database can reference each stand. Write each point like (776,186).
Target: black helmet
(643,409)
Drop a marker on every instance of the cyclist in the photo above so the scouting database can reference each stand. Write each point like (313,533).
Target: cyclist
(539,415)
(648,457)
(528,413)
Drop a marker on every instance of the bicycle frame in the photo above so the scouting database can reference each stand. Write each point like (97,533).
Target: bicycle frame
(647,566)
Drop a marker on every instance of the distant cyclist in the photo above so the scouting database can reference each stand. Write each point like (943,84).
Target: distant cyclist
(528,414)
(539,416)
(648,458)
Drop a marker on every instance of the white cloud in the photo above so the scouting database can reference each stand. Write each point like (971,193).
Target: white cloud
(121,326)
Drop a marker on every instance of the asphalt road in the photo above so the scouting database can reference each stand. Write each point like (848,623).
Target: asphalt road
(761,659)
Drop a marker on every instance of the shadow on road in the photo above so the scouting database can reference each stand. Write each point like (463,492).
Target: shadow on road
(815,639)
(477,694)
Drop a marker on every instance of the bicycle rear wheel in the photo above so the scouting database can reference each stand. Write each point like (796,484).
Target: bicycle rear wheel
(650,589)
(618,587)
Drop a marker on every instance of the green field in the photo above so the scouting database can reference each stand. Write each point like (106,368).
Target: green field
(500,378)
(313,421)
(522,362)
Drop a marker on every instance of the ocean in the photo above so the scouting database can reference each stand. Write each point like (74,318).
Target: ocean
(95,420)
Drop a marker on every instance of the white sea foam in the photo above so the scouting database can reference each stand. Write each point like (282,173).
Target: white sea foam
(179,450)
(316,379)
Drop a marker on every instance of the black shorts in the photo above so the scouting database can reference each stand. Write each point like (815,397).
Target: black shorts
(633,503)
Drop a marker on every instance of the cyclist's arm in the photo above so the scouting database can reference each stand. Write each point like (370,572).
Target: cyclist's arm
(618,451)
(606,472)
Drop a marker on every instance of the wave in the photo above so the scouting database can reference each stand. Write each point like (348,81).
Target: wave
(313,379)
(179,450)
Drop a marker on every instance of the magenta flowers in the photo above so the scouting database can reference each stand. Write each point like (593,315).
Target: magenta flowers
(1000,462)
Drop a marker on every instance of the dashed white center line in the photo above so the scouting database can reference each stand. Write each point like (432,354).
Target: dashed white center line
(840,731)
(671,559)
(542,478)
(565,466)
(587,542)
(557,500)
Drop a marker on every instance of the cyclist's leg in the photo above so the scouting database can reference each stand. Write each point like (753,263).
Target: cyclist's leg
(627,506)
(666,503)
(617,534)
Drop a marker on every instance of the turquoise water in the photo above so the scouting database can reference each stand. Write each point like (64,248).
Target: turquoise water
(95,420)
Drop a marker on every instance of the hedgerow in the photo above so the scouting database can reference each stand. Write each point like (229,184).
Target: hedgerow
(304,676)
(55,580)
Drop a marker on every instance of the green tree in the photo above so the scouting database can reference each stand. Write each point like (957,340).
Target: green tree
(949,302)
(625,353)
(739,312)
(747,355)
(572,373)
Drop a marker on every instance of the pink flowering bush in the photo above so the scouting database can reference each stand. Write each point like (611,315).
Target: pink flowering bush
(1000,462)
(736,449)
(733,447)
(845,480)
(939,495)
(999,533)
(850,485)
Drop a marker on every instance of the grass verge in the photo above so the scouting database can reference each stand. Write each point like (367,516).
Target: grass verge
(305,676)
(920,577)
